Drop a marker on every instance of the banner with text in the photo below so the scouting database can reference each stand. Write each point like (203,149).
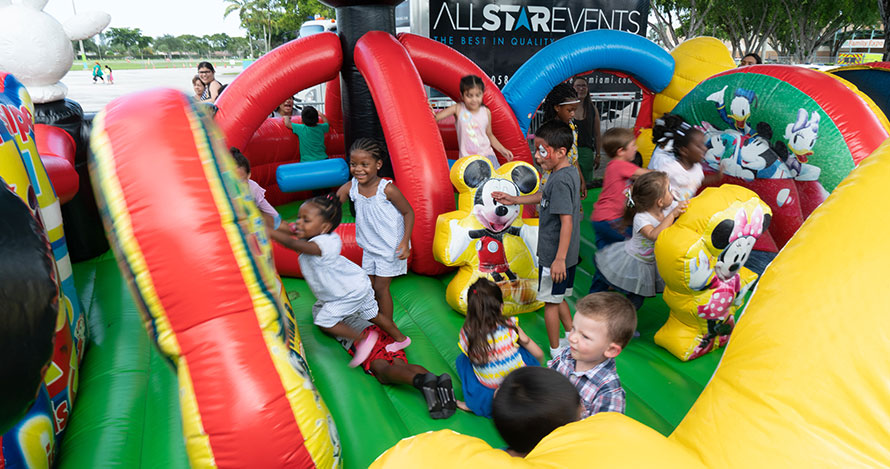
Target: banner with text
(501,35)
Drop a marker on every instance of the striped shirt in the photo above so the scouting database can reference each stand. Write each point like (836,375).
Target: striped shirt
(503,355)
(379,226)
(599,387)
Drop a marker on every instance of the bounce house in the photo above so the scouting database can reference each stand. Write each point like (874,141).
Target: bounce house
(201,351)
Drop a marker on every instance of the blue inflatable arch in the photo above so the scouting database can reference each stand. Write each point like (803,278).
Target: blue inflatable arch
(602,49)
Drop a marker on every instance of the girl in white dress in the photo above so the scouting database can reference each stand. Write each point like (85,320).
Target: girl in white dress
(679,153)
(341,287)
(629,266)
(384,220)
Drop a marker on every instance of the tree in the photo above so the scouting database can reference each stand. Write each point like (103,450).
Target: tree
(811,23)
(676,20)
(168,44)
(122,39)
(746,24)
(884,8)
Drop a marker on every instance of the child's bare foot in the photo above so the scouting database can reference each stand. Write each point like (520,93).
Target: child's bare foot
(463,406)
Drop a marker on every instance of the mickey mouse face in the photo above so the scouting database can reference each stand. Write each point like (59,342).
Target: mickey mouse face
(493,215)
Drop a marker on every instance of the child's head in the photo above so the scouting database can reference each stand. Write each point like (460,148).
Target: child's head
(198,85)
(485,303)
(365,159)
(242,162)
(553,140)
(561,103)
(471,90)
(603,325)
(620,143)
(650,191)
(318,215)
(531,403)
(688,142)
(310,116)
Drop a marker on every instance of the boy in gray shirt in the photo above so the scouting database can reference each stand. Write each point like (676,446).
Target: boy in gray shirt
(559,232)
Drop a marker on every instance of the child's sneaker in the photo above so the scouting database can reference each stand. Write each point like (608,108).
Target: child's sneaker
(363,347)
(426,384)
(446,395)
(396,346)
(554,352)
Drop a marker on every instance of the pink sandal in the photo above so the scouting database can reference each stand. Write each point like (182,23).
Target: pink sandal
(363,347)
(396,346)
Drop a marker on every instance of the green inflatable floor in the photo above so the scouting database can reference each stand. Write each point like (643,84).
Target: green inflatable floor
(127,411)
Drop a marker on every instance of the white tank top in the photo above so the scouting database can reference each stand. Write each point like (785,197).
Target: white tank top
(379,226)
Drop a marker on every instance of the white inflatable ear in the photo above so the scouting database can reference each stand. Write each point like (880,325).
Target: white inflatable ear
(35,4)
(86,25)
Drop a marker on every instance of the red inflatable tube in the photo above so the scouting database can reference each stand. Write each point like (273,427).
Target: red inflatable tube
(56,149)
(415,146)
(850,116)
(196,264)
(333,110)
(281,73)
(442,68)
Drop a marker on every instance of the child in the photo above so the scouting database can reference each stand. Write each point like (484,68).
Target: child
(559,231)
(270,215)
(311,134)
(530,404)
(473,122)
(629,266)
(492,346)
(341,287)
(198,86)
(110,76)
(679,153)
(393,368)
(560,104)
(608,211)
(604,324)
(384,220)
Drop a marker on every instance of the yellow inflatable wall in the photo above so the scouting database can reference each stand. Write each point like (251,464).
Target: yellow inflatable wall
(700,258)
(694,61)
(487,239)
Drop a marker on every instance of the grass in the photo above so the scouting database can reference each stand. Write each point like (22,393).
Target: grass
(140,64)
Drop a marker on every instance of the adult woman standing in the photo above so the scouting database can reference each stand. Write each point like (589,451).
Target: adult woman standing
(587,119)
(212,87)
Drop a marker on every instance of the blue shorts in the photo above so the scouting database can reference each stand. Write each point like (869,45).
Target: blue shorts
(477,396)
(550,292)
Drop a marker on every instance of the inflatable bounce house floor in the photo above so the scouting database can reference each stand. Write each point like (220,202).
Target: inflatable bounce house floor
(131,409)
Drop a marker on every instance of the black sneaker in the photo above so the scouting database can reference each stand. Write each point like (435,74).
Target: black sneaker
(446,395)
(427,387)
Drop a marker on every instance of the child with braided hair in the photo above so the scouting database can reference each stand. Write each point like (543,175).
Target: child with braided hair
(679,152)
(342,288)
(561,104)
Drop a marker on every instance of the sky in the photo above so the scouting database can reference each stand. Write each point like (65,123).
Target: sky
(157,17)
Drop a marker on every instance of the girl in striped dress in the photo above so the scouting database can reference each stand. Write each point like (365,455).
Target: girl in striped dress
(493,345)
(384,220)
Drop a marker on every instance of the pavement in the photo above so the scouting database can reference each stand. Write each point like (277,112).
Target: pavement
(93,97)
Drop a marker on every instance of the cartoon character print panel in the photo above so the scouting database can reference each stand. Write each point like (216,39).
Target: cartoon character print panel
(701,258)
(489,239)
(772,138)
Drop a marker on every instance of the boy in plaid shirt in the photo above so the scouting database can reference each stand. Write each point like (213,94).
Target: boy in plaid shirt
(603,325)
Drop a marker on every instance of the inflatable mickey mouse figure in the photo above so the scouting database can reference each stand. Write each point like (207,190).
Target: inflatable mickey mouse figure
(505,245)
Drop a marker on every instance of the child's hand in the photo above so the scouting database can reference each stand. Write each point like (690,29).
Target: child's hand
(558,270)
(504,198)
(403,250)
(680,208)
(508,155)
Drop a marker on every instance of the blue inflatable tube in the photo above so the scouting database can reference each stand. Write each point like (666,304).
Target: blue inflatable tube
(602,49)
(297,177)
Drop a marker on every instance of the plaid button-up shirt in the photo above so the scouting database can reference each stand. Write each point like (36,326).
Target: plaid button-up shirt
(599,387)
